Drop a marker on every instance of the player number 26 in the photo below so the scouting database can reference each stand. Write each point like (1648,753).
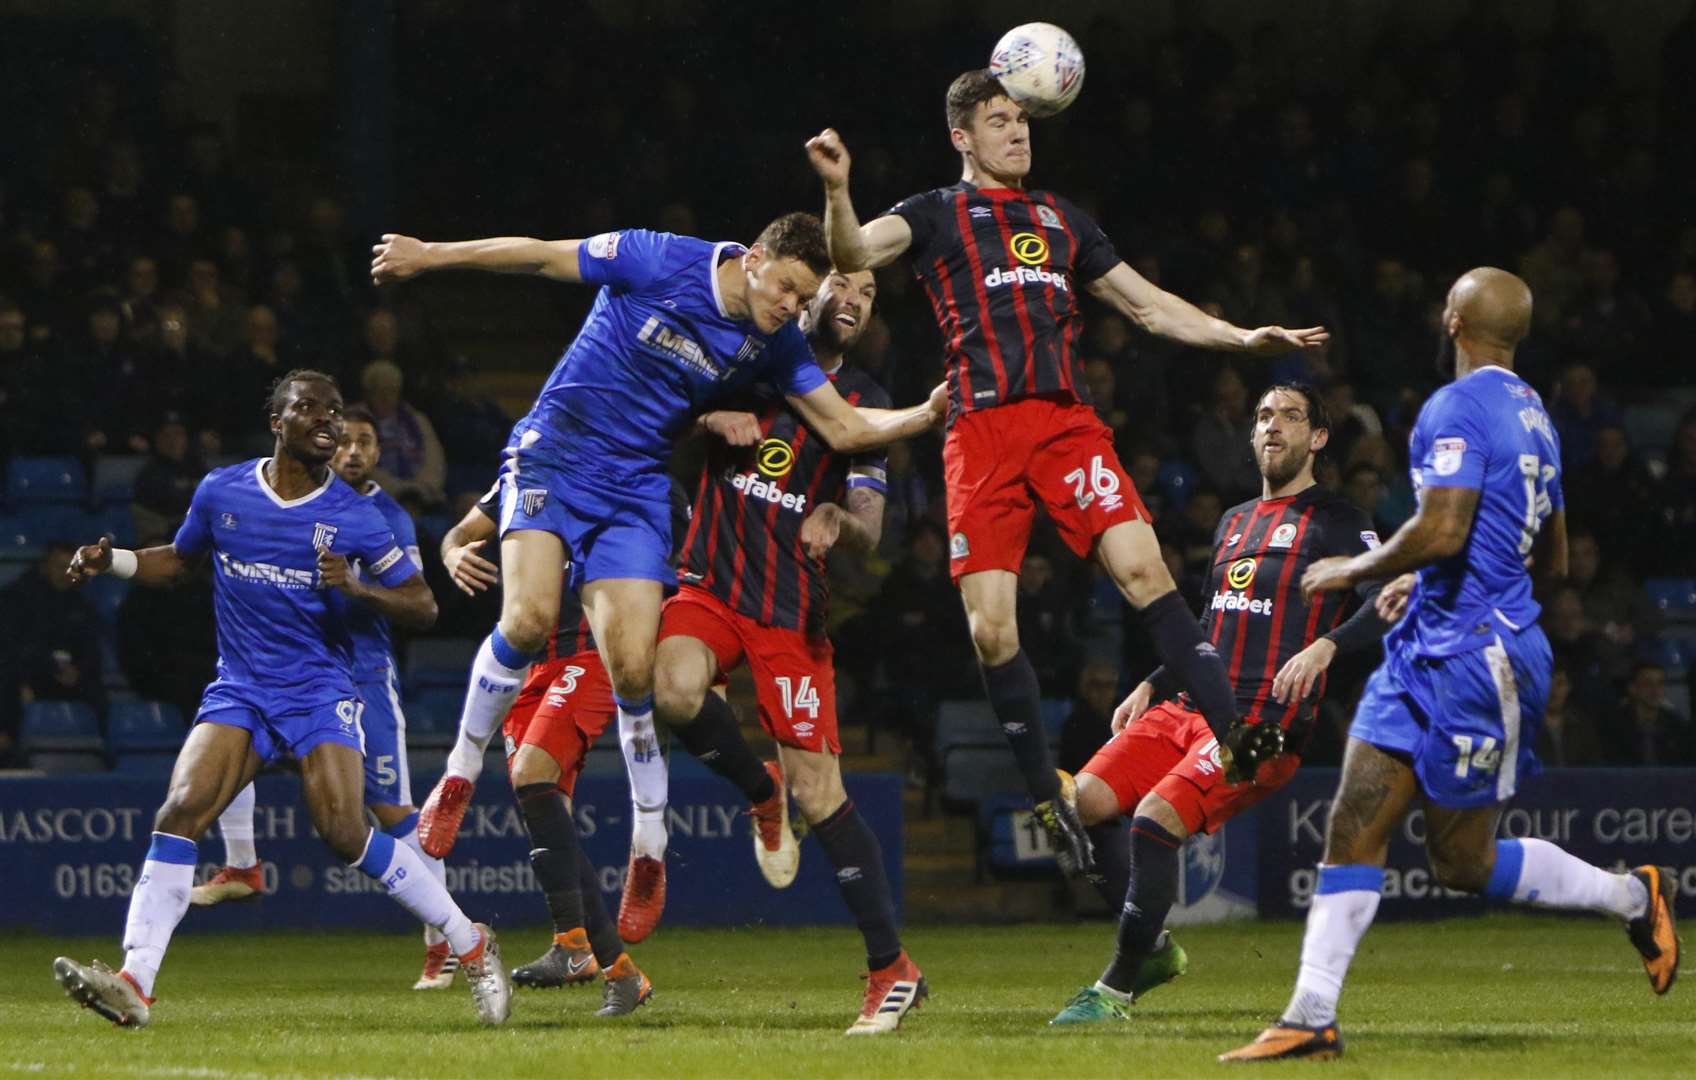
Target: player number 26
(1099,480)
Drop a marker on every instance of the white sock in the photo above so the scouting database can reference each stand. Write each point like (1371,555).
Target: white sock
(649,780)
(438,869)
(1120,996)
(1344,900)
(157,905)
(1538,872)
(488,696)
(399,869)
(235,825)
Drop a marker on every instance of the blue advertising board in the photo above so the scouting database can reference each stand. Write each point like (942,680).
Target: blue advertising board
(70,847)
(1615,818)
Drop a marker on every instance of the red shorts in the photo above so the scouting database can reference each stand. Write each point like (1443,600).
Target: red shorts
(562,707)
(1170,751)
(1001,461)
(794,677)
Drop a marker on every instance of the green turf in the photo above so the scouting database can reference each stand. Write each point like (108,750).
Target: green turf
(1498,997)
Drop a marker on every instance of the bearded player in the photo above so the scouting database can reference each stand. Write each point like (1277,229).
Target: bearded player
(677,324)
(753,591)
(1001,266)
(1161,766)
(1450,717)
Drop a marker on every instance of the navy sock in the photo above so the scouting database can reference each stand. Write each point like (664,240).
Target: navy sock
(553,852)
(853,850)
(1192,659)
(603,932)
(1154,886)
(1112,876)
(714,737)
(1017,700)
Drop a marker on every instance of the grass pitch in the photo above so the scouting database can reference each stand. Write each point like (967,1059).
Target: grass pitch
(1506,996)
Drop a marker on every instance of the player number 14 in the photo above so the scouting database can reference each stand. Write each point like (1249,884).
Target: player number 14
(1485,759)
(798,696)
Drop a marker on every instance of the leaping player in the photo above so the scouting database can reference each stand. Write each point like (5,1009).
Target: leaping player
(282,530)
(1001,265)
(678,324)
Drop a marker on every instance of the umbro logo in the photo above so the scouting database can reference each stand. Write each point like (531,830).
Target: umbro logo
(847,874)
(981,212)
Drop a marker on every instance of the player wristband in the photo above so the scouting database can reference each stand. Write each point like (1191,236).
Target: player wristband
(124,563)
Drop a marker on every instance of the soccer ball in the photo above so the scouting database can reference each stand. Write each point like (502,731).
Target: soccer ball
(1040,67)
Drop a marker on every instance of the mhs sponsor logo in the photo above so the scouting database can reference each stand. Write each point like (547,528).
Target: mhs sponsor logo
(286,577)
(1236,601)
(1025,275)
(663,339)
(752,487)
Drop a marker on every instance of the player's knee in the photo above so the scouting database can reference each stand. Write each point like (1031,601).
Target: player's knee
(187,811)
(1164,814)
(818,794)
(533,768)
(630,667)
(678,697)
(1143,581)
(995,639)
(526,625)
(1097,802)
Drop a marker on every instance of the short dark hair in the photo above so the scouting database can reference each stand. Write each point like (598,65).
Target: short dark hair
(279,389)
(361,415)
(799,235)
(967,92)
(1318,416)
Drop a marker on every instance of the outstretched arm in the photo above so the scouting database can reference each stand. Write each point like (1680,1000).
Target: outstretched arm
(156,566)
(1165,315)
(852,246)
(1438,530)
(852,429)
(400,257)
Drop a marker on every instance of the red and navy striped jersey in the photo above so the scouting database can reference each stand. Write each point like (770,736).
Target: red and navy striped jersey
(744,539)
(571,633)
(1002,268)
(1254,613)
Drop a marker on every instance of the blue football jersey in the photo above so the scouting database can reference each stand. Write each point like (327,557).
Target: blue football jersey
(372,649)
(277,627)
(1489,432)
(657,349)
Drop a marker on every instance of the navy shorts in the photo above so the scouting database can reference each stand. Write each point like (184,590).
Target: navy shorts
(1468,721)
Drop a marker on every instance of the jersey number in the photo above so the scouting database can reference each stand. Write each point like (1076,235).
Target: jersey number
(1485,759)
(1537,503)
(1098,481)
(568,679)
(349,713)
(796,697)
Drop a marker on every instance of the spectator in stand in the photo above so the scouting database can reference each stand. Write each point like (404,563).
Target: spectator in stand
(1675,505)
(414,469)
(1089,725)
(141,287)
(1397,501)
(123,204)
(217,313)
(472,425)
(49,634)
(1609,325)
(1045,626)
(1675,327)
(1192,533)
(167,644)
(907,501)
(1580,412)
(22,375)
(253,369)
(45,295)
(1555,269)
(1363,485)
(1387,333)
(1568,738)
(1221,439)
(181,241)
(87,251)
(1644,729)
(166,483)
(1098,376)
(1615,494)
(101,380)
(1587,657)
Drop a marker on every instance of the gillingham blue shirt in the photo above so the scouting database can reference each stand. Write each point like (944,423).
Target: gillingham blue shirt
(657,348)
(1487,431)
(278,629)
(372,650)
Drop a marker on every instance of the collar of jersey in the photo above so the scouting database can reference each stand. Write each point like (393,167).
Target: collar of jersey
(1000,194)
(371,488)
(1489,367)
(712,271)
(265,486)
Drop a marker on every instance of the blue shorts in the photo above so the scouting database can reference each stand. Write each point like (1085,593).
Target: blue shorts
(298,720)
(388,781)
(613,526)
(1468,721)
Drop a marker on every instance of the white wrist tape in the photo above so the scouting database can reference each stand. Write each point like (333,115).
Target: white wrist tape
(124,563)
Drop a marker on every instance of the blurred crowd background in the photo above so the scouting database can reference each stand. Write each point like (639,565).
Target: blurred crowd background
(165,255)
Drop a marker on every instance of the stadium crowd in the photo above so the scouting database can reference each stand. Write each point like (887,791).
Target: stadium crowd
(152,285)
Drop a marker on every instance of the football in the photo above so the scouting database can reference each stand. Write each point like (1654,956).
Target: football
(1040,67)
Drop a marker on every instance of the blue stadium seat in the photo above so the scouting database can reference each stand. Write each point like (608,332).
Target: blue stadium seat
(1014,843)
(1650,425)
(436,662)
(61,762)
(35,480)
(962,722)
(144,726)
(145,763)
(463,478)
(432,716)
(12,571)
(116,521)
(1054,713)
(973,772)
(114,477)
(1674,597)
(60,726)
(1176,479)
(106,593)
